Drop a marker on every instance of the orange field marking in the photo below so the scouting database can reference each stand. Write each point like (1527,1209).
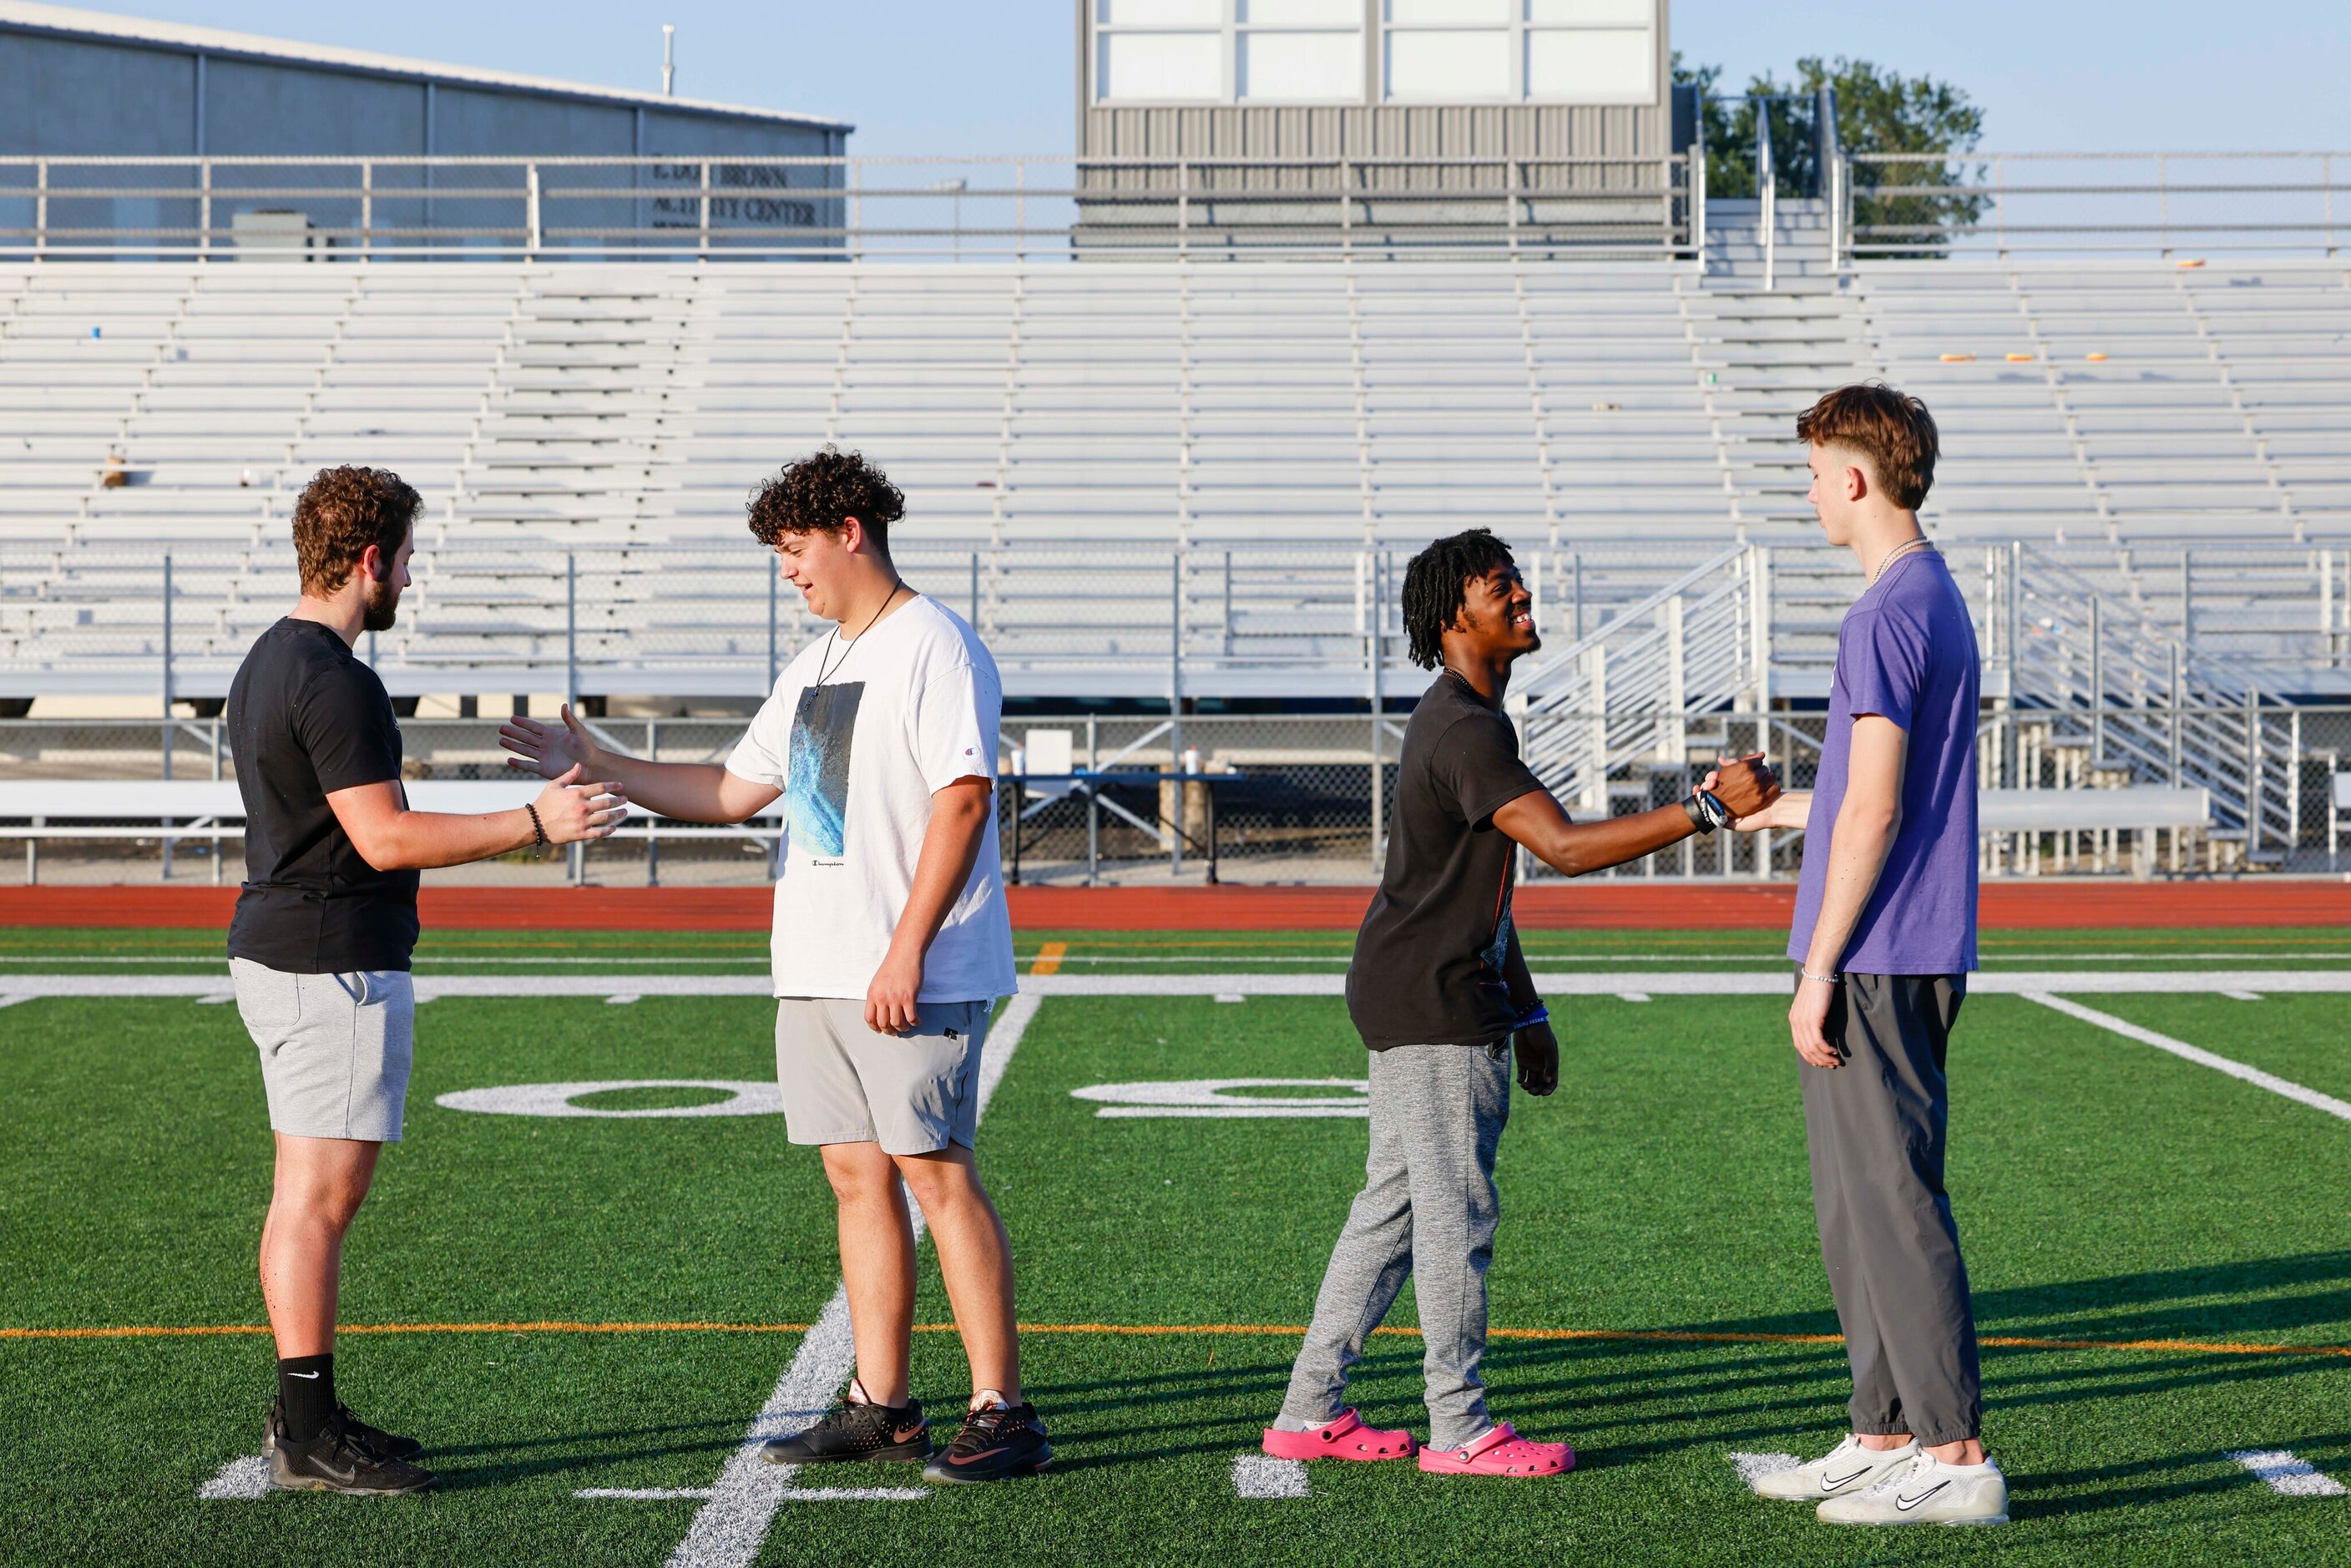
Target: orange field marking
(1169,1331)
(1049,958)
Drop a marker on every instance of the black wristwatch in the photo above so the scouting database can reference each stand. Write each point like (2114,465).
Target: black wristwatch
(1706,812)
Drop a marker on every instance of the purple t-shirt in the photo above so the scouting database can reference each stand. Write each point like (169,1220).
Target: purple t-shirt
(1906,651)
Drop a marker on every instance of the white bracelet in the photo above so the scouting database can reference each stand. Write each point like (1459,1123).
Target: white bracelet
(1818,979)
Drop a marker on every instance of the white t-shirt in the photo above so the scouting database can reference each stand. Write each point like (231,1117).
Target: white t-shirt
(903,711)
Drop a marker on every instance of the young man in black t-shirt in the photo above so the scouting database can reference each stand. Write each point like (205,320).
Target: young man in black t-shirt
(1439,990)
(324,928)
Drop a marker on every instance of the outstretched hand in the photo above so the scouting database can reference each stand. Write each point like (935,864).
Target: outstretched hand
(547,749)
(570,811)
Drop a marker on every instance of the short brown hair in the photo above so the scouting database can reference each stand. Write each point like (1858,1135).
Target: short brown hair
(341,512)
(1892,429)
(818,493)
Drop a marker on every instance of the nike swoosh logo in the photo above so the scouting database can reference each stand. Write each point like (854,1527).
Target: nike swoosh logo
(312,1376)
(1906,1503)
(1829,1484)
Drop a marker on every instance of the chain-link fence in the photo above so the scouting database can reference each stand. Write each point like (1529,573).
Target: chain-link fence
(1275,798)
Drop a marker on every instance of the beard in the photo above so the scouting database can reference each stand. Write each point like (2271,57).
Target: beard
(381,608)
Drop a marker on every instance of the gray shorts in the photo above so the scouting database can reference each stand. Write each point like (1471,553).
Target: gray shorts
(335,1048)
(843,1084)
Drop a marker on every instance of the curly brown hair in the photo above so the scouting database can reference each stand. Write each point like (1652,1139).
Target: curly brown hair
(820,492)
(1890,428)
(341,512)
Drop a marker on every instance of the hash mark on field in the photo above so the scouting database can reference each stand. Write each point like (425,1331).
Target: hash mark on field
(1263,1476)
(620,1000)
(1230,996)
(1753,1468)
(2242,995)
(214,999)
(1633,995)
(729,1529)
(2278,1469)
(2181,1049)
(11,999)
(1049,958)
(643,1494)
(239,1481)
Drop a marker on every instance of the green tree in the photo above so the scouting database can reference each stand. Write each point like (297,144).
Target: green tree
(1878,111)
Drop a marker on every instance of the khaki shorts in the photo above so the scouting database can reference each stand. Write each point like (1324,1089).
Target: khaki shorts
(335,1048)
(843,1084)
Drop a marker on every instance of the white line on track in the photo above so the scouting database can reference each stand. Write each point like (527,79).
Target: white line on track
(1753,1468)
(1261,1475)
(1689,983)
(2202,1057)
(2278,1469)
(729,1529)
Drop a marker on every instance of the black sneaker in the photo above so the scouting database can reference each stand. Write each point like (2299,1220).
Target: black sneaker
(876,1434)
(377,1441)
(336,1460)
(996,1441)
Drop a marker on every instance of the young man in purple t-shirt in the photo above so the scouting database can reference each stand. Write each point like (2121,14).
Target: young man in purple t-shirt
(1884,937)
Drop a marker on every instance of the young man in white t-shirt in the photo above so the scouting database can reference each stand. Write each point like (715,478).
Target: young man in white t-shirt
(891,943)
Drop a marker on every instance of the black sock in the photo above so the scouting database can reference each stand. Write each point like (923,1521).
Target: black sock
(306,1383)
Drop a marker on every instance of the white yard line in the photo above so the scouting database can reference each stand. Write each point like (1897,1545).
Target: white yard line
(2197,1054)
(1753,1468)
(1261,1475)
(2278,1469)
(10,998)
(729,1529)
(1688,983)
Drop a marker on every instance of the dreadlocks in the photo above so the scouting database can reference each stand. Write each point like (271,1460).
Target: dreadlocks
(1432,585)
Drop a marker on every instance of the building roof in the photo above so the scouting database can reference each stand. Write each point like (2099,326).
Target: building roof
(70,21)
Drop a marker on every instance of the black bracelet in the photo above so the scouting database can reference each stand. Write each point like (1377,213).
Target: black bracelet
(1698,813)
(537,828)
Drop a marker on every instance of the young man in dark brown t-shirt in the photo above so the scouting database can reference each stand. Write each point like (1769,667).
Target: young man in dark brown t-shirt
(1439,989)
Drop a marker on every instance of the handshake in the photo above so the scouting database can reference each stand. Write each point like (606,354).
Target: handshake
(1747,789)
(568,811)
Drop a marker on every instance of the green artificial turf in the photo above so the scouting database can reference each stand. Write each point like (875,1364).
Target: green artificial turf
(2107,1191)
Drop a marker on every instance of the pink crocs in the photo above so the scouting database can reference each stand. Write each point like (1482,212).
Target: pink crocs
(1500,1452)
(1345,1439)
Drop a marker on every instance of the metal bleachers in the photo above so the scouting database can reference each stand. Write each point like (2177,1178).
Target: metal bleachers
(1304,416)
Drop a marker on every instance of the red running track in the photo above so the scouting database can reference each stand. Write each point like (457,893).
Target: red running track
(1728,906)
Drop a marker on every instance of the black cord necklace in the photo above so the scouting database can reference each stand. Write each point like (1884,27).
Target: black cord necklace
(825,669)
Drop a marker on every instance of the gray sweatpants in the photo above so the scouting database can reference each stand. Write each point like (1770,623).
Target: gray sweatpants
(1877,1126)
(1427,1212)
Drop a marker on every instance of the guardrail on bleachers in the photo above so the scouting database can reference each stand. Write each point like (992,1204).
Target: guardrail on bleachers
(2175,204)
(814,208)
(121,617)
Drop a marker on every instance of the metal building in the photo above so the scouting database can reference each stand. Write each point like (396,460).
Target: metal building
(1401,122)
(104,119)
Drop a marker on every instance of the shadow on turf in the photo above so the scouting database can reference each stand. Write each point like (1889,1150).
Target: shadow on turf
(510,1461)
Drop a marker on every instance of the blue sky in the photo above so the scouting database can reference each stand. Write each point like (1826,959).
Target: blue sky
(996,76)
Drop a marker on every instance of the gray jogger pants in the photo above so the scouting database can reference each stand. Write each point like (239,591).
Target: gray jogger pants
(1876,1127)
(1427,1212)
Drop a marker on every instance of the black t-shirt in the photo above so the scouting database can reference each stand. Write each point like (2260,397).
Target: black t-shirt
(305,718)
(1428,961)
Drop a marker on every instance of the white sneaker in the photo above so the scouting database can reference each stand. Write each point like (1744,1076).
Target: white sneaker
(1926,1491)
(1847,1467)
